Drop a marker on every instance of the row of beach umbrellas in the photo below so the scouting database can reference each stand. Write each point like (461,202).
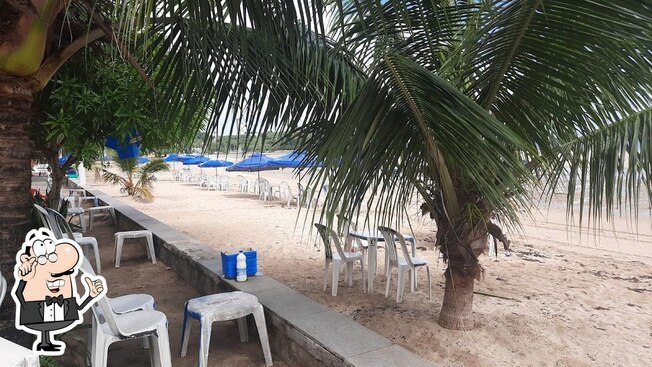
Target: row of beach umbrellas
(254,163)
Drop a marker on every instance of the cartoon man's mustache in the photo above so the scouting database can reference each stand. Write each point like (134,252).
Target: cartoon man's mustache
(67,272)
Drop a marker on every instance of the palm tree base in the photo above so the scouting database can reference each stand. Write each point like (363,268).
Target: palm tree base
(457,308)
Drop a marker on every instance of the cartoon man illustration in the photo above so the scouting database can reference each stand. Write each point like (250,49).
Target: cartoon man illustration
(45,290)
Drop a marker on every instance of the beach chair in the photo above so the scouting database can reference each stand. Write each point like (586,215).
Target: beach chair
(43,216)
(287,196)
(223,183)
(345,227)
(75,211)
(307,196)
(264,190)
(3,288)
(112,328)
(213,183)
(339,258)
(120,305)
(61,230)
(403,264)
(241,182)
(201,180)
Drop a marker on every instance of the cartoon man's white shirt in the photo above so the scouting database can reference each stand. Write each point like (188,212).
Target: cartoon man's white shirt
(53,312)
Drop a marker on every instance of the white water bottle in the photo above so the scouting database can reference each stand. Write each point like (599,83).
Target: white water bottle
(241,267)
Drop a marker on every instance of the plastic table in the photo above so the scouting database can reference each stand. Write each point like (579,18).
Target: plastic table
(223,307)
(12,354)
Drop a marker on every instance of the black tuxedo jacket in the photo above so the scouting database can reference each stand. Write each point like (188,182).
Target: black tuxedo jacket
(31,312)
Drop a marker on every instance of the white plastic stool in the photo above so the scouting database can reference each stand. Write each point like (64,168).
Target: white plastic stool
(81,200)
(119,240)
(76,192)
(96,209)
(85,243)
(223,307)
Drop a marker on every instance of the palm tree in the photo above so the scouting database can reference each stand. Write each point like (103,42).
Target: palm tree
(470,105)
(139,180)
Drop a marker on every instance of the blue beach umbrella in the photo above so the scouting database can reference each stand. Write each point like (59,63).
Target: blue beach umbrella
(215,163)
(142,160)
(170,158)
(196,161)
(254,163)
(183,158)
(294,159)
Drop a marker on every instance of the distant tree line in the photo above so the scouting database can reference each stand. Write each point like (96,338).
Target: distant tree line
(232,143)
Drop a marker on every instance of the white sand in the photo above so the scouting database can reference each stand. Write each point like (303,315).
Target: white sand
(571,300)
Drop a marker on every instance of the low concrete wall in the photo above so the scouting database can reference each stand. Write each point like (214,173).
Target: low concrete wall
(302,332)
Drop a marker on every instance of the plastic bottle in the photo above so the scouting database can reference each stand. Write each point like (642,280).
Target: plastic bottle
(241,267)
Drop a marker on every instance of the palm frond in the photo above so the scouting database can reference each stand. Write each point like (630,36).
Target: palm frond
(609,167)
(126,165)
(410,128)
(550,71)
(146,174)
(144,193)
(113,178)
(535,74)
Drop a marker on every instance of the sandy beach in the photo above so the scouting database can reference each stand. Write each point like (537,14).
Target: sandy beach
(562,297)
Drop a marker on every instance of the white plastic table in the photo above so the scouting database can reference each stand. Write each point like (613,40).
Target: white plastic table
(223,307)
(12,354)
(373,238)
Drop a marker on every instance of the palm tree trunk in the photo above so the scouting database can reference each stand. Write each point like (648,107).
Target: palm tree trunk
(457,308)
(15,176)
(58,174)
(461,248)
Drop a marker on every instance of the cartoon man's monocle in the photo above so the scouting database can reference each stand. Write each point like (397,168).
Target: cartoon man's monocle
(45,291)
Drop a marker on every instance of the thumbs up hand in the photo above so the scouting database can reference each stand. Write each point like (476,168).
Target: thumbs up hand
(95,285)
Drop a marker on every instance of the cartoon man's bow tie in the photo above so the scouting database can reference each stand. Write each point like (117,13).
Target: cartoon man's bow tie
(58,300)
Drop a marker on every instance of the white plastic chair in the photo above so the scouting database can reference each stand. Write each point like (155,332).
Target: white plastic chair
(132,325)
(61,229)
(224,183)
(329,237)
(76,212)
(241,182)
(307,196)
(43,216)
(346,226)
(120,305)
(286,195)
(3,288)
(213,183)
(403,263)
(202,180)
(264,191)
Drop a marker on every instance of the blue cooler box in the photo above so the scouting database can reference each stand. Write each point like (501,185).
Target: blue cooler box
(229,263)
